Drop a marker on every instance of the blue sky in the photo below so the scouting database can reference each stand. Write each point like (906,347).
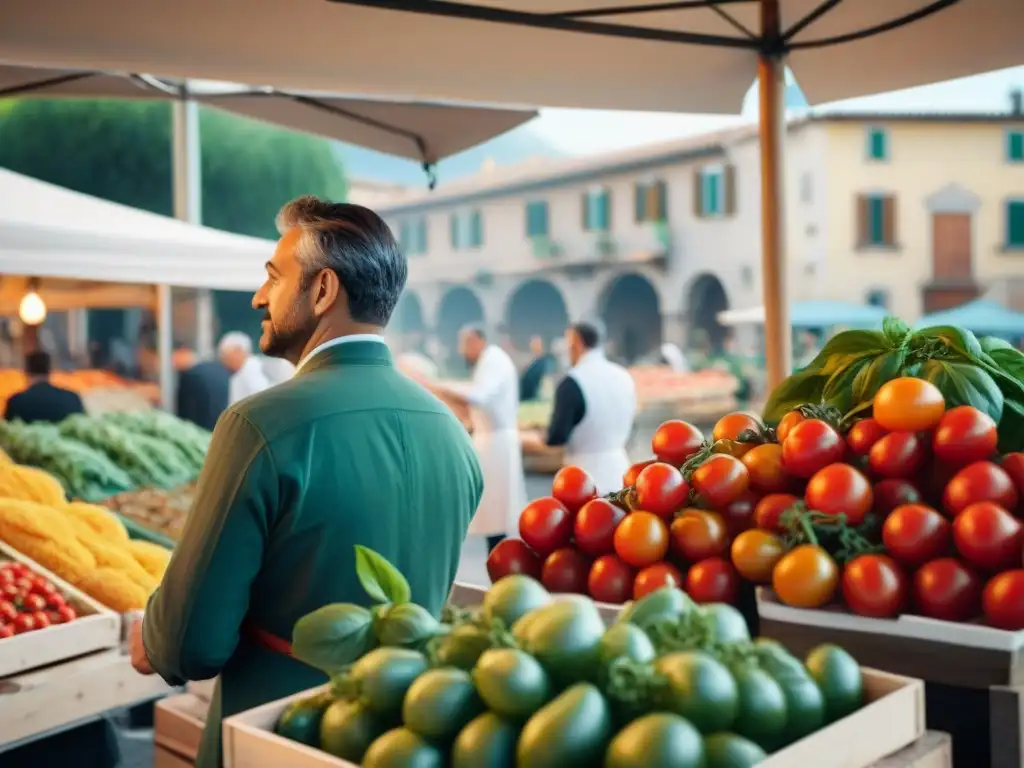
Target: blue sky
(580,131)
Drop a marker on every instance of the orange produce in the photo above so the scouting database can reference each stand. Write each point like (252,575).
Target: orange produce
(769,510)
(755,554)
(839,489)
(720,480)
(806,577)
(907,404)
(641,539)
(764,466)
(732,425)
(656,576)
(696,535)
(789,421)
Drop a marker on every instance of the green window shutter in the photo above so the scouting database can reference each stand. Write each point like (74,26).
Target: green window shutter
(640,202)
(542,220)
(604,201)
(529,219)
(711,192)
(1015,146)
(453,231)
(876,221)
(1015,224)
(476,229)
(877,147)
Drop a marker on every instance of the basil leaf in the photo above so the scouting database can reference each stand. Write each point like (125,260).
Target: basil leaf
(381,580)
(839,389)
(896,331)
(796,390)
(844,347)
(958,339)
(1011,427)
(990,343)
(1009,361)
(334,636)
(873,375)
(964,383)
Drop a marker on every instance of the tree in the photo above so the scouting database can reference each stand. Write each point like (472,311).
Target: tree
(121,151)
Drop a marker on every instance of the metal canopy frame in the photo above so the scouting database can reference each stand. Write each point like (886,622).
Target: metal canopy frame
(765,43)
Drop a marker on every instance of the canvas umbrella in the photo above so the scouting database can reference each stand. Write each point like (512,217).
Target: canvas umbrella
(416,130)
(672,55)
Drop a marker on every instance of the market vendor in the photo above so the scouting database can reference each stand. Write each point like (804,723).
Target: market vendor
(493,402)
(533,376)
(347,452)
(41,400)
(595,405)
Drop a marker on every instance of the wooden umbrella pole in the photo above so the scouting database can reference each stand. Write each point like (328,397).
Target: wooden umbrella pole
(771,71)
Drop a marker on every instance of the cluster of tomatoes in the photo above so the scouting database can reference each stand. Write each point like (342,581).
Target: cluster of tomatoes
(29,602)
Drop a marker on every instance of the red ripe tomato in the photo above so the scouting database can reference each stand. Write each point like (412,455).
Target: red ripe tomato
(23,622)
(661,490)
(874,585)
(864,434)
(545,525)
(41,619)
(566,570)
(697,535)
(594,529)
(610,580)
(7,576)
(907,404)
(641,539)
(889,494)
(964,434)
(629,479)
(713,581)
(789,421)
(733,425)
(720,480)
(654,577)
(675,441)
(6,630)
(764,466)
(980,481)
(43,586)
(55,600)
(512,556)
(66,613)
(898,455)
(24,584)
(988,537)
(10,591)
(19,570)
(915,534)
(7,611)
(573,487)
(1012,464)
(34,603)
(1003,600)
(947,589)
(768,511)
(739,515)
(811,445)
(839,489)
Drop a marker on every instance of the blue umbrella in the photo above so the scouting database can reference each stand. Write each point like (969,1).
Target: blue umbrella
(825,314)
(981,316)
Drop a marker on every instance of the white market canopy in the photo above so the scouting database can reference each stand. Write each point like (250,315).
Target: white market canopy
(50,231)
(693,56)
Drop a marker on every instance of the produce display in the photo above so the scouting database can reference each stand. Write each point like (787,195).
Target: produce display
(886,477)
(86,546)
(13,381)
(95,457)
(529,680)
(160,511)
(29,602)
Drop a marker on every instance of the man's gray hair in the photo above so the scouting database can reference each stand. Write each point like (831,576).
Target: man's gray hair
(235,340)
(357,245)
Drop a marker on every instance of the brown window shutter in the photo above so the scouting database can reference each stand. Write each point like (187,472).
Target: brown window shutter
(863,216)
(889,220)
(729,180)
(662,209)
(698,189)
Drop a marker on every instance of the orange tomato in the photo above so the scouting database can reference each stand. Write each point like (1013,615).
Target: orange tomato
(720,480)
(641,539)
(805,577)
(732,425)
(696,535)
(907,404)
(755,554)
(764,465)
(769,510)
(654,577)
(789,421)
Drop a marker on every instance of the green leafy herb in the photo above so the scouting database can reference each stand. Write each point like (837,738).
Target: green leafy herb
(802,388)
(896,331)
(332,637)
(381,580)
(964,383)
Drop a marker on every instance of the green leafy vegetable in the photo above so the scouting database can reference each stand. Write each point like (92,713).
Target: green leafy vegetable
(332,637)
(964,383)
(381,580)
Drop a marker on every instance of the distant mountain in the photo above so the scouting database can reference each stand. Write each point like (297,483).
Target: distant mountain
(513,147)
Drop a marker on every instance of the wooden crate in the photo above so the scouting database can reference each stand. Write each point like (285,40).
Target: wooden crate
(178,725)
(892,719)
(933,750)
(96,628)
(164,758)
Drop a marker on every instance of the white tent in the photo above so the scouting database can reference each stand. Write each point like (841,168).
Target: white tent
(49,231)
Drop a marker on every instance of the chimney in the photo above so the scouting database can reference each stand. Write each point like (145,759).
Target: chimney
(1017,102)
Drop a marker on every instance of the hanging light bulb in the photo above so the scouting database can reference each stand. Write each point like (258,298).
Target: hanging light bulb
(32,309)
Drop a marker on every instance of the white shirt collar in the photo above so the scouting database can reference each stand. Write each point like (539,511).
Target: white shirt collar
(591,354)
(335,342)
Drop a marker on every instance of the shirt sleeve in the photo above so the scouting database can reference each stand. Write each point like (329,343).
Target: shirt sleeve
(193,621)
(487,382)
(570,408)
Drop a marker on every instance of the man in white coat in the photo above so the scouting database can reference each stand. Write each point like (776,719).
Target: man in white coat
(247,376)
(493,402)
(595,405)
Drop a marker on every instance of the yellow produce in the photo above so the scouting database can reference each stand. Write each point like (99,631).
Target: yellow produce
(30,484)
(65,557)
(114,589)
(4,458)
(152,557)
(111,555)
(99,520)
(33,519)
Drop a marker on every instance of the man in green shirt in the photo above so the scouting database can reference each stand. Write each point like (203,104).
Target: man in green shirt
(349,451)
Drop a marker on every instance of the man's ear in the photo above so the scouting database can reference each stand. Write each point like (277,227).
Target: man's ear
(326,290)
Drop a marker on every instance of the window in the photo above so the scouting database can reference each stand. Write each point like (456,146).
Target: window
(412,236)
(878,297)
(467,230)
(1015,224)
(1015,146)
(597,210)
(536,219)
(878,144)
(650,202)
(711,188)
(806,187)
(714,191)
(876,220)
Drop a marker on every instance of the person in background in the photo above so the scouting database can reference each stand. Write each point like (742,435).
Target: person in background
(493,402)
(348,452)
(595,405)
(247,376)
(276,369)
(673,357)
(539,367)
(41,400)
(202,388)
